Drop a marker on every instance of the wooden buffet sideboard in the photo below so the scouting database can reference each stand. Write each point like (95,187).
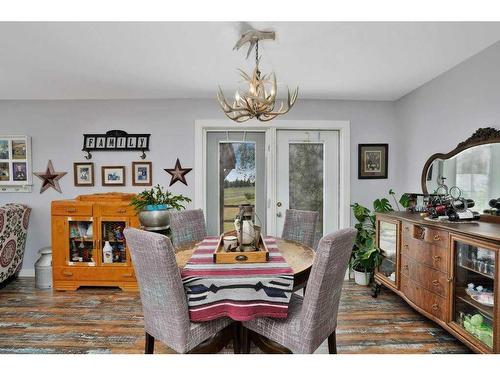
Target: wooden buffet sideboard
(430,265)
(81,229)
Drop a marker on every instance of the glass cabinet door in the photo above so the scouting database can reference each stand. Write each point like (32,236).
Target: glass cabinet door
(112,242)
(388,245)
(81,242)
(474,290)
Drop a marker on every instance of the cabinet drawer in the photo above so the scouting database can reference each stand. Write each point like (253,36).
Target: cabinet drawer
(432,280)
(94,273)
(436,237)
(425,299)
(68,209)
(423,252)
(114,210)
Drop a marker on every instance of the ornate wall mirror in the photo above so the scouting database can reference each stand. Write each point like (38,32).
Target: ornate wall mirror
(473,166)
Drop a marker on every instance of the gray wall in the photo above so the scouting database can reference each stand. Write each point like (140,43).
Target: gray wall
(447,110)
(56,128)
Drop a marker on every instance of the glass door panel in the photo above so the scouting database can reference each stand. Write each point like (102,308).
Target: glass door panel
(236,174)
(113,246)
(388,243)
(474,290)
(81,242)
(305,179)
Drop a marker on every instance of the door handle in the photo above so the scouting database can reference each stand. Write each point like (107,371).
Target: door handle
(279,214)
(279,204)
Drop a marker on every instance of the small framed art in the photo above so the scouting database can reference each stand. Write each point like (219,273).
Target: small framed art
(83,174)
(15,163)
(113,175)
(142,173)
(373,160)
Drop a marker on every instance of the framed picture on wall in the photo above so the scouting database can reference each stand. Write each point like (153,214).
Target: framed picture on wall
(15,163)
(113,175)
(373,160)
(142,173)
(83,174)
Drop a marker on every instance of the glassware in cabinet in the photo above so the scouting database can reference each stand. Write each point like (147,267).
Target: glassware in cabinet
(112,242)
(475,273)
(81,242)
(388,245)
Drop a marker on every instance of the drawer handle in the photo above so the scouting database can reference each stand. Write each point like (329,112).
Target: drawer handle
(436,258)
(67,273)
(437,237)
(405,246)
(435,282)
(241,258)
(406,267)
(407,228)
(71,209)
(121,211)
(435,307)
(128,275)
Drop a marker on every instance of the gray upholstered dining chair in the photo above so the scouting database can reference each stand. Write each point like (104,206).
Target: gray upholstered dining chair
(312,319)
(164,302)
(187,226)
(300,226)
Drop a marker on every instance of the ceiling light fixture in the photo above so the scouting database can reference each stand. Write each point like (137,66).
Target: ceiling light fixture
(259,101)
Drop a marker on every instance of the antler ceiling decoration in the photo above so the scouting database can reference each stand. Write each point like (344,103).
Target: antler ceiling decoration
(260,99)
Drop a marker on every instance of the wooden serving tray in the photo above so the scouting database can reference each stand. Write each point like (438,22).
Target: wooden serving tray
(222,256)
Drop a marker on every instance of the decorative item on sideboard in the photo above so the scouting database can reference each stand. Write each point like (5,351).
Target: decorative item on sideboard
(153,205)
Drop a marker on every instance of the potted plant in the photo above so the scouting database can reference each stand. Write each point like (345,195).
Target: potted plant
(364,263)
(153,205)
(366,256)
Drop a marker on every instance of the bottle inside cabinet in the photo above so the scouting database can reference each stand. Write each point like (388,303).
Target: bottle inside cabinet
(474,299)
(113,242)
(81,242)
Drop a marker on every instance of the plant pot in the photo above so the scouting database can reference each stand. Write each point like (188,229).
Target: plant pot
(362,278)
(154,219)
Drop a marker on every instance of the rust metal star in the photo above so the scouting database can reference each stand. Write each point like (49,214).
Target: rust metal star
(50,178)
(178,173)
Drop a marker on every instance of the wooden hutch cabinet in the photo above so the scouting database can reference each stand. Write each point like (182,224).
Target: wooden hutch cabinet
(433,266)
(88,245)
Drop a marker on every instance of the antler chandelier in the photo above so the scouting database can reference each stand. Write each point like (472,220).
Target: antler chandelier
(259,100)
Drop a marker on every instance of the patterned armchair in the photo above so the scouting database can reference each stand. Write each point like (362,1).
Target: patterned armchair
(14,220)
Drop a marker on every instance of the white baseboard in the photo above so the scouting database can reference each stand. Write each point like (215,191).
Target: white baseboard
(27,272)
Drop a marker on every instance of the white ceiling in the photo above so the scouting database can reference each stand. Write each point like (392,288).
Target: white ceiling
(330,60)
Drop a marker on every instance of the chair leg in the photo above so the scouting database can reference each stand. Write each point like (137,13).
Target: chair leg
(236,337)
(245,341)
(332,343)
(149,345)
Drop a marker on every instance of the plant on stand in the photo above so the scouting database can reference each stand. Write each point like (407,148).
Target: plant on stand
(366,256)
(153,205)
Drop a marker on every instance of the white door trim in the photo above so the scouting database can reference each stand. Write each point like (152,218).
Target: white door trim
(343,127)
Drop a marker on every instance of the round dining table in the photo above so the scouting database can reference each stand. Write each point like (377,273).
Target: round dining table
(298,256)
(300,259)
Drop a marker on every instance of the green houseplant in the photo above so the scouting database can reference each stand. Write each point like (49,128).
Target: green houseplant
(366,256)
(152,206)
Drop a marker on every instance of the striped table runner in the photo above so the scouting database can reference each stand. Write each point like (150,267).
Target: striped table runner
(239,291)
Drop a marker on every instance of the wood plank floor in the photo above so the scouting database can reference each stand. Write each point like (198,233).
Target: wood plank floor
(106,320)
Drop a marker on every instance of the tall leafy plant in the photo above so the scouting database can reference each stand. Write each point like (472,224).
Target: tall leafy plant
(366,256)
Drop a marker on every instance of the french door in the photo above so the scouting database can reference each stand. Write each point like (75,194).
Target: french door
(307,176)
(274,169)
